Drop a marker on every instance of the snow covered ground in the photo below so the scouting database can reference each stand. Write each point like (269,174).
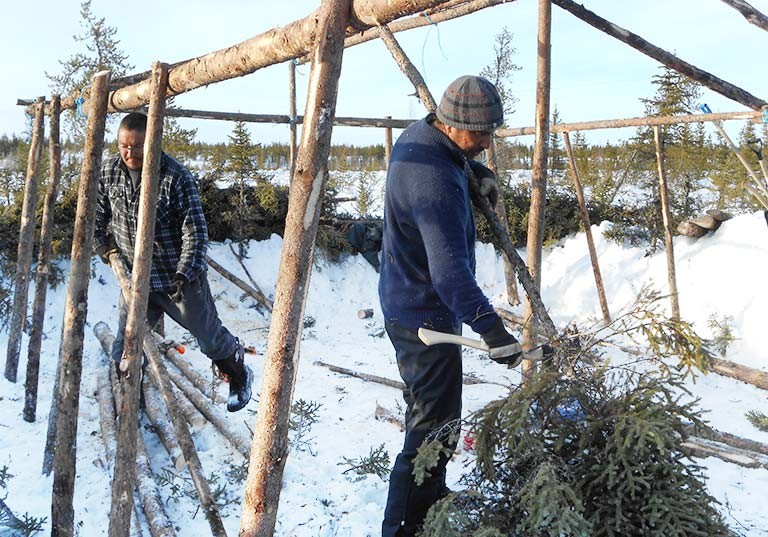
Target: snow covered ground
(721,274)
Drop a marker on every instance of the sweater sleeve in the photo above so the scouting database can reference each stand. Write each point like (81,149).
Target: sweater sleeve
(441,213)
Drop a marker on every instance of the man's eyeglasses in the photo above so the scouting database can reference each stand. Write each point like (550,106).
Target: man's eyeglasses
(131,148)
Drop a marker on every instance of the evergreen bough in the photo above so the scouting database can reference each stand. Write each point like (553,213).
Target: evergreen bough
(594,454)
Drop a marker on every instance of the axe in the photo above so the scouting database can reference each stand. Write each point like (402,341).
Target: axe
(432,337)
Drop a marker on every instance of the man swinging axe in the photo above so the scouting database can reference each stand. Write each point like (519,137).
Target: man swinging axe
(428,280)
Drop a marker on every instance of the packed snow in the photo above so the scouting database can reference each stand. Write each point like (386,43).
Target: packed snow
(720,274)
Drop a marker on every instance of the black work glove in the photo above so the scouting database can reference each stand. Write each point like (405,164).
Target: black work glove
(105,251)
(503,347)
(489,186)
(179,283)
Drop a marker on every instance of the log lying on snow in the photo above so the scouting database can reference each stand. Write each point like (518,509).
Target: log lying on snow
(701,447)
(146,487)
(699,226)
(256,294)
(186,379)
(752,376)
(729,439)
(158,417)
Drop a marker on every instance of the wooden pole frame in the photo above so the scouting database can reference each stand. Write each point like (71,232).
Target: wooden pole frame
(26,244)
(137,299)
(539,174)
(293,117)
(75,311)
(750,13)
(269,450)
(387,145)
(408,69)
(587,229)
(43,264)
(669,243)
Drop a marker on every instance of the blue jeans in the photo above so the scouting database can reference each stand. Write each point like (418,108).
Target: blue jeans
(196,312)
(433,380)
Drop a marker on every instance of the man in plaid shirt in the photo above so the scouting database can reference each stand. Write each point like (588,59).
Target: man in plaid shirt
(178,281)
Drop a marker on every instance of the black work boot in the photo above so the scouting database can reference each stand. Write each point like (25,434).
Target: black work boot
(240,379)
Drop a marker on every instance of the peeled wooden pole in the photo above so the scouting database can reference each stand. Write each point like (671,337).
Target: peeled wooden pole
(750,13)
(670,60)
(137,299)
(270,446)
(760,184)
(587,229)
(43,265)
(407,68)
(669,244)
(631,122)
(539,173)
(75,311)
(25,246)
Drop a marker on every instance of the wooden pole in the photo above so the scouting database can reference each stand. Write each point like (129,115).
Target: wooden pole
(513,295)
(25,246)
(407,68)
(75,311)
(43,264)
(670,60)
(670,247)
(292,114)
(274,46)
(587,228)
(630,122)
(539,174)
(136,300)
(761,185)
(387,145)
(269,451)
(750,13)
(256,294)
(451,9)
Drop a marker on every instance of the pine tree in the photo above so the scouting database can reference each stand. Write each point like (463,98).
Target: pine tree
(178,142)
(501,69)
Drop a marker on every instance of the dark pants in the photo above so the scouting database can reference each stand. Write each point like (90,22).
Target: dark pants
(196,312)
(432,377)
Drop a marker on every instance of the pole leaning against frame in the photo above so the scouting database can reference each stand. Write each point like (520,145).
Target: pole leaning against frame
(75,311)
(26,242)
(270,440)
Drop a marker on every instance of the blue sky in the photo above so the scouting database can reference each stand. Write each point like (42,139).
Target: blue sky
(593,75)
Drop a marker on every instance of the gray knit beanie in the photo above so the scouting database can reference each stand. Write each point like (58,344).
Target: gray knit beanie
(471,103)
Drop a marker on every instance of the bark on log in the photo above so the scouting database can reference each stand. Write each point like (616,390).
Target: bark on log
(667,219)
(365,313)
(539,174)
(407,68)
(256,294)
(750,13)
(43,265)
(281,44)
(728,438)
(630,122)
(137,299)
(269,451)
(752,376)
(25,246)
(75,311)
(387,145)
(239,439)
(587,229)
(670,60)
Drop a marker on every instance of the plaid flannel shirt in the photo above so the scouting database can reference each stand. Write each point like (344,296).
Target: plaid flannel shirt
(181,236)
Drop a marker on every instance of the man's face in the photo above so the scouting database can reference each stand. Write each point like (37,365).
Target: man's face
(131,146)
(471,143)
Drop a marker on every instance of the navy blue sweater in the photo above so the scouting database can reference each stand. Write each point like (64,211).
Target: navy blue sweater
(428,253)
